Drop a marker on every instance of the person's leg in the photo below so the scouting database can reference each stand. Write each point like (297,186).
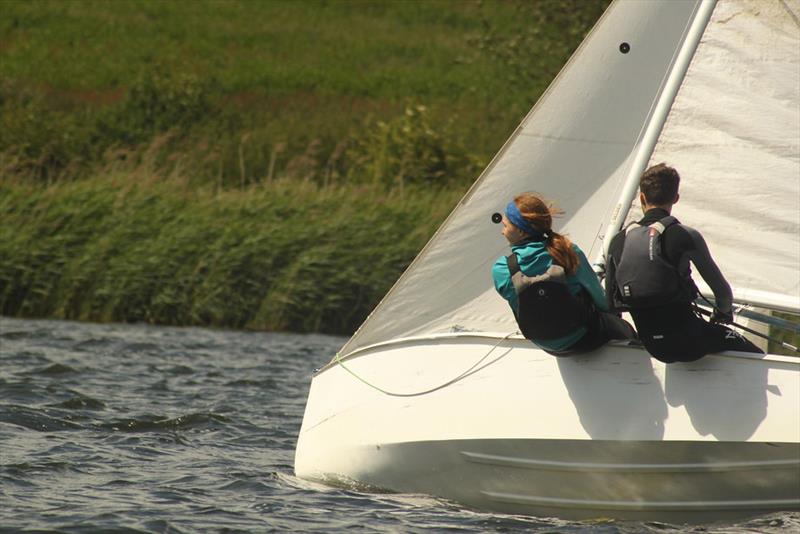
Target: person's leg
(615,327)
(591,340)
(693,339)
(670,335)
(671,347)
(601,328)
(719,338)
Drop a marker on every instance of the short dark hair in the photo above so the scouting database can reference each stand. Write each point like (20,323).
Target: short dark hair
(660,184)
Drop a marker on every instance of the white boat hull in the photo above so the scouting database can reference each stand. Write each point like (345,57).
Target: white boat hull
(611,434)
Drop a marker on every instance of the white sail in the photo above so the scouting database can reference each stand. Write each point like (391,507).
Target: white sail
(576,147)
(734,135)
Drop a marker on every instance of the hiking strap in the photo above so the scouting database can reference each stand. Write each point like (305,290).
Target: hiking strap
(663,224)
(513,264)
(659,226)
(632,226)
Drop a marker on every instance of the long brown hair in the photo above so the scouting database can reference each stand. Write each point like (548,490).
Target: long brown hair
(540,215)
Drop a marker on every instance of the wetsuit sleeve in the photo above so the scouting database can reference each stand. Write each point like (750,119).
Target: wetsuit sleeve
(502,282)
(588,279)
(701,258)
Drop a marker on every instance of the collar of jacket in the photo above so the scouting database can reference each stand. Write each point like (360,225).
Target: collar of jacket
(529,243)
(652,215)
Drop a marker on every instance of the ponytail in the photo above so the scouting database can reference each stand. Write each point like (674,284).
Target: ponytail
(560,248)
(540,216)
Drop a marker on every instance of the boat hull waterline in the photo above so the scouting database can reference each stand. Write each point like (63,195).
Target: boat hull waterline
(611,434)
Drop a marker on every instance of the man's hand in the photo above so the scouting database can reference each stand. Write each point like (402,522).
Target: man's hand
(721,317)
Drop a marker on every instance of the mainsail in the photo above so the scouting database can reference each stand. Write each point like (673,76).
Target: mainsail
(589,134)
(734,135)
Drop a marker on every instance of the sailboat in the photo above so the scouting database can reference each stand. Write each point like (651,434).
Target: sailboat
(437,393)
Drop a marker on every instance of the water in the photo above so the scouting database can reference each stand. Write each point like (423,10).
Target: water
(133,428)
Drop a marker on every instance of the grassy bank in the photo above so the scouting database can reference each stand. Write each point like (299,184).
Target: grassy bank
(242,91)
(282,256)
(270,165)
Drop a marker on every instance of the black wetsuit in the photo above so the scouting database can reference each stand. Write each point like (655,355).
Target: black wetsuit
(674,332)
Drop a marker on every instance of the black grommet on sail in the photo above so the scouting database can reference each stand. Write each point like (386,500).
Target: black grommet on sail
(496,218)
(624,48)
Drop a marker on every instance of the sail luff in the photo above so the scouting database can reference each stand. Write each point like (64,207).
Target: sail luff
(486,171)
(657,121)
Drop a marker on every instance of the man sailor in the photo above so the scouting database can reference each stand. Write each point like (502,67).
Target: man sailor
(648,274)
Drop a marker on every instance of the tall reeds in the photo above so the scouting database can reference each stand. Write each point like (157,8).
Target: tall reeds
(277,256)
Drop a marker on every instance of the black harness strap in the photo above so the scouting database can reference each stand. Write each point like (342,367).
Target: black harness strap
(513,263)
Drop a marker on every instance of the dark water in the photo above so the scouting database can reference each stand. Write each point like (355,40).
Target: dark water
(145,429)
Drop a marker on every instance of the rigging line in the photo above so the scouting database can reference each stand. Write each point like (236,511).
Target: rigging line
(470,371)
(777,322)
(756,332)
(744,310)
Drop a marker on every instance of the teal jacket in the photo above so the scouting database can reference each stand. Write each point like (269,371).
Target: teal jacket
(534,260)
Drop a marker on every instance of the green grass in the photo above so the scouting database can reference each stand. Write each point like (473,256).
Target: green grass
(237,80)
(273,46)
(278,257)
(270,165)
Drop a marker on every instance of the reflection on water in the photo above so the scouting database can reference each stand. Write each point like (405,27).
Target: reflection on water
(149,429)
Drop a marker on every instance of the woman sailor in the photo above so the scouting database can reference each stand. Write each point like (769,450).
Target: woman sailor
(551,288)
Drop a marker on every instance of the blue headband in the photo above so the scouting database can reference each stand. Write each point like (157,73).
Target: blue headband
(513,214)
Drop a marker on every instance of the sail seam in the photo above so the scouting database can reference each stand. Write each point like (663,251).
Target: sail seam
(575,139)
(790,12)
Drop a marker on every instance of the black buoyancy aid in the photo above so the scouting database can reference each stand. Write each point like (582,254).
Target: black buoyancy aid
(643,276)
(546,307)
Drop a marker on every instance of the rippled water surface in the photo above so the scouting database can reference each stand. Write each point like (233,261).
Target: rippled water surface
(149,429)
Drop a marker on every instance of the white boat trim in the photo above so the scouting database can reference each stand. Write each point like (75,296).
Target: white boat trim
(517,338)
(527,463)
(641,505)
